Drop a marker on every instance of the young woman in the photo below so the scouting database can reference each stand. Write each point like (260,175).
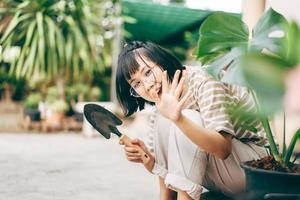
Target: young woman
(194,142)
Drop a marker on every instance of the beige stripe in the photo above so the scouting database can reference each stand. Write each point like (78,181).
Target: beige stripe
(208,92)
(220,118)
(211,107)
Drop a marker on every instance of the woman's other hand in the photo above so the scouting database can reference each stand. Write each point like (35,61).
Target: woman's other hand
(172,99)
(133,155)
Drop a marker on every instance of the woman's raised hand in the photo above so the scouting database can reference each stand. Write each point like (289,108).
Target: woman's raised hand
(172,99)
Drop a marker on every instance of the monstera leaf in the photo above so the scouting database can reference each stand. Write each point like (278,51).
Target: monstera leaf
(224,39)
(266,74)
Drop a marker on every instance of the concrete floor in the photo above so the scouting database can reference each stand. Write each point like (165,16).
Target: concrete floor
(70,167)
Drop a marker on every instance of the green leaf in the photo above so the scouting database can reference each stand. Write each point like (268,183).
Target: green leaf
(41,42)
(29,63)
(293,47)
(224,38)
(20,62)
(61,48)
(265,75)
(269,33)
(230,62)
(291,147)
(13,23)
(220,32)
(234,74)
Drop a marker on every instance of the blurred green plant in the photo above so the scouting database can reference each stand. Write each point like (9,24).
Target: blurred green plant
(52,94)
(18,86)
(59,106)
(32,101)
(258,60)
(60,41)
(55,37)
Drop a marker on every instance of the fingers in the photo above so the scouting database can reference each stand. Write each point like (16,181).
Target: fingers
(184,99)
(175,82)
(136,160)
(131,150)
(179,89)
(138,142)
(132,154)
(141,144)
(165,82)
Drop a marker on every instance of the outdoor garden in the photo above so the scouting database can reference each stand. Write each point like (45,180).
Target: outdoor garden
(56,55)
(53,55)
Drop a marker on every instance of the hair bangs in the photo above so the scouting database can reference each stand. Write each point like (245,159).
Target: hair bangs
(130,66)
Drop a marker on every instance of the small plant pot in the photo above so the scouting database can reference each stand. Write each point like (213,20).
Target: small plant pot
(33,114)
(266,182)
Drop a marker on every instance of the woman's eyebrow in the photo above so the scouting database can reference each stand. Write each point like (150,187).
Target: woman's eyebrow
(143,69)
(133,79)
(130,81)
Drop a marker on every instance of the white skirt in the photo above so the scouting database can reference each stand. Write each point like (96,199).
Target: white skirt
(185,166)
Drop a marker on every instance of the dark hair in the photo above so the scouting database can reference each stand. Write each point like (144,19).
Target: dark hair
(128,65)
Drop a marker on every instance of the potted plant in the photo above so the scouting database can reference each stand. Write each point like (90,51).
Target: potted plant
(31,104)
(56,105)
(259,61)
(58,108)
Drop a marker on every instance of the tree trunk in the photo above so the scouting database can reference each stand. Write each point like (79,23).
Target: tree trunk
(60,83)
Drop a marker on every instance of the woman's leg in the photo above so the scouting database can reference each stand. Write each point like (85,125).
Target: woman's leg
(182,195)
(165,193)
(227,176)
(161,142)
(186,162)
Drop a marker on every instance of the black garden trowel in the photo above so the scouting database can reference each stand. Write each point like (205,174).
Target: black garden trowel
(105,123)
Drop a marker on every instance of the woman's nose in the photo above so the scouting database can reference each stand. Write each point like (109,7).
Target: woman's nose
(148,85)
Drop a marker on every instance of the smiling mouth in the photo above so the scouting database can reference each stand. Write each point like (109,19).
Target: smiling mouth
(158,89)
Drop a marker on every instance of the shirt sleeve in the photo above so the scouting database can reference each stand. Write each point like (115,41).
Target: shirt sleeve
(211,97)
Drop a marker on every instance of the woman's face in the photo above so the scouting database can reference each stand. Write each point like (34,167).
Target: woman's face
(146,82)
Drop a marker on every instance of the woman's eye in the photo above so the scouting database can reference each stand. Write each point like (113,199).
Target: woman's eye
(135,85)
(148,72)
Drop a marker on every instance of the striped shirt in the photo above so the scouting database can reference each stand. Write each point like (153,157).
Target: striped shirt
(213,99)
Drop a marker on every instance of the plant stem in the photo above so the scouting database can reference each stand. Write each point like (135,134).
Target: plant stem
(269,135)
(265,122)
(283,143)
(296,157)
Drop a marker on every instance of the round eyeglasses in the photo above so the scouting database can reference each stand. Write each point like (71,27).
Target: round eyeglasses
(137,87)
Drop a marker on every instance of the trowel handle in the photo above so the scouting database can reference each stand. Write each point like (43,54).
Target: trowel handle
(127,141)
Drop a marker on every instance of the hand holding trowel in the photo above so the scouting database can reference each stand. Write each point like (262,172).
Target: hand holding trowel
(105,123)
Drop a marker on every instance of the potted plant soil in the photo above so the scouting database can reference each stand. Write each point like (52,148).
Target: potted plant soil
(259,61)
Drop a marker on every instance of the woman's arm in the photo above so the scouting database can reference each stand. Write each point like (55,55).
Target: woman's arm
(170,105)
(218,144)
